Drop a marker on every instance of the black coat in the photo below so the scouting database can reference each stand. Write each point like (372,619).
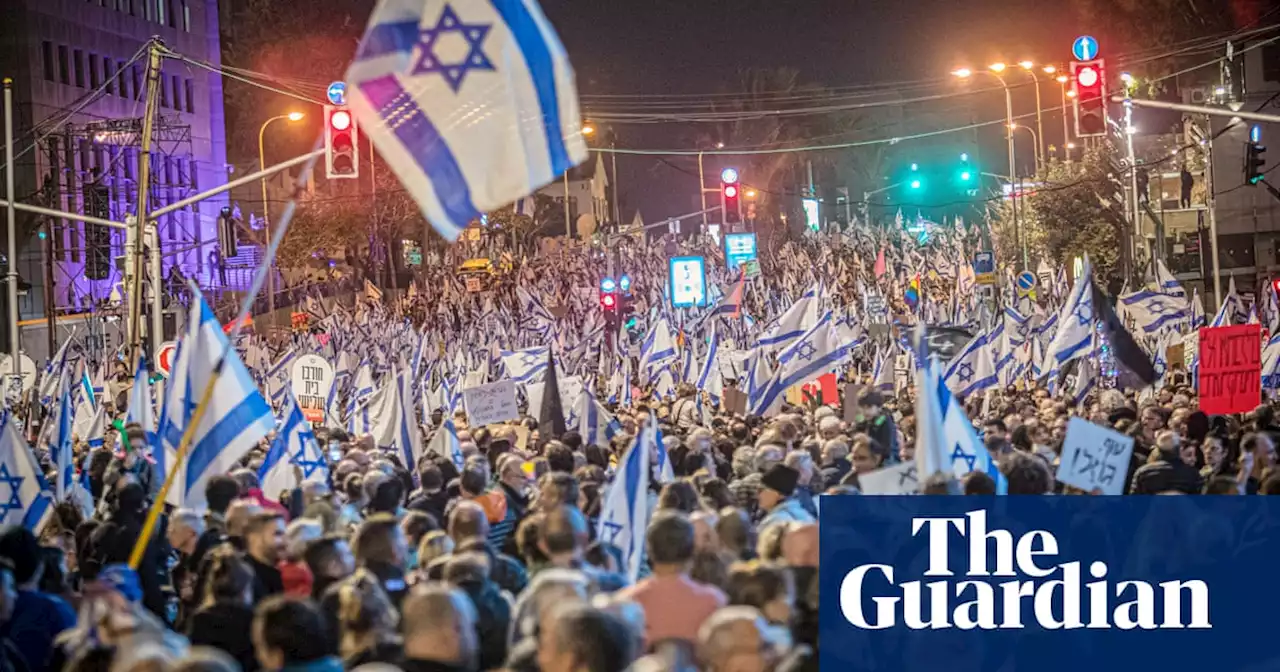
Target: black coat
(1167,473)
(113,543)
(225,625)
(493,618)
(266,579)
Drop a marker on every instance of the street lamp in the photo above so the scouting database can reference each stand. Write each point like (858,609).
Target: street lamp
(291,117)
(993,70)
(1029,68)
(588,129)
(1035,139)
(1066,134)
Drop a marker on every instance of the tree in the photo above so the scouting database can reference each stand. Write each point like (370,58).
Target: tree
(1065,218)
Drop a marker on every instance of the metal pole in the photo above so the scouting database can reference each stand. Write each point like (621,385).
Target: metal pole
(1066,134)
(10,221)
(617,208)
(266,216)
(1211,203)
(46,249)
(1136,205)
(1008,121)
(702,191)
(144,198)
(1039,119)
(568,226)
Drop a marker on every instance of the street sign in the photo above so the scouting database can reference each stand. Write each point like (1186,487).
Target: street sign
(1085,48)
(1026,283)
(984,268)
(311,379)
(337,93)
(164,357)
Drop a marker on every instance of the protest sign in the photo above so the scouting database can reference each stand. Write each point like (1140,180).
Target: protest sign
(1094,458)
(735,401)
(312,377)
(26,376)
(488,404)
(1230,369)
(900,479)
(820,391)
(1190,348)
(851,393)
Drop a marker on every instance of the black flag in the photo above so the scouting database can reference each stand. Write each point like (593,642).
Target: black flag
(1133,367)
(551,414)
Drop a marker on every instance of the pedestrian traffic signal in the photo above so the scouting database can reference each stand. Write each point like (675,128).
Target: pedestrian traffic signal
(730,190)
(1253,159)
(226,233)
(1089,91)
(341,151)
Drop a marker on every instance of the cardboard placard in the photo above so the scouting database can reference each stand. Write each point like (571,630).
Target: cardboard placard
(312,378)
(850,407)
(900,479)
(1094,458)
(1230,369)
(735,401)
(492,403)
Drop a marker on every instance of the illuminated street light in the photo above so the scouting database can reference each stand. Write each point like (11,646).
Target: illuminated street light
(295,116)
(719,145)
(1126,78)
(1026,65)
(996,67)
(962,73)
(1049,69)
(1061,79)
(751,193)
(588,129)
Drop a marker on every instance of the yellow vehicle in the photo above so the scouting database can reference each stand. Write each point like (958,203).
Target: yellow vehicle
(481,266)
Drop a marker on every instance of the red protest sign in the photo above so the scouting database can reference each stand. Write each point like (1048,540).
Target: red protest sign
(1230,369)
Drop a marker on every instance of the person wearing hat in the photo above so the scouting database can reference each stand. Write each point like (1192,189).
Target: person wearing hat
(776,497)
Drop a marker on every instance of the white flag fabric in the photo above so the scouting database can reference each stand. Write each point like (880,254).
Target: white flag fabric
(237,416)
(140,410)
(1075,327)
(60,448)
(709,379)
(946,442)
(624,517)
(30,501)
(471,103)
(293,446)
(815,353)
(445,444)
(1155,311)
(279,376)
(793,324)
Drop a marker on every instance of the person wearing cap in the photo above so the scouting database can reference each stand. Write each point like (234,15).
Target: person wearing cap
(877,423)
(776,497)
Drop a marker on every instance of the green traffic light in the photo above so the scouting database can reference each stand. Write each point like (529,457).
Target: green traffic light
(915,184)
(966,176)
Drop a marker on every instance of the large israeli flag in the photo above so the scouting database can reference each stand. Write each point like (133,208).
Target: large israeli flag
(798,319)
(445,443)
(525,365)
(293,446)
(658,348)
(945,438)
(279,376)
(236,418)
(27,499)
(60,448)
(1155,311)
(818,351)
(624,517)
(593,421)
(140,409)
(974,369)
(709,379)
(1075,327)
(471,102)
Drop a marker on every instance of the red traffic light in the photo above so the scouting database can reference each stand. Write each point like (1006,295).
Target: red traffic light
(608,301)
(1087,76)
(730,191)
(340,120)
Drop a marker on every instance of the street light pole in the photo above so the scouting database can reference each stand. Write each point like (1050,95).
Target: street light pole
(1030,68)
(993,70)
(12,251)
(266,214)
(1035,141)
(1066,134)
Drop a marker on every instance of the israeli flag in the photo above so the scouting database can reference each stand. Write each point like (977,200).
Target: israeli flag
(1074,334)
(658,347)
(709,379)
(236,418)
(882,373)
(945,438)
(29,502)
(816,352)
(1166,282)
(53,371)
(278,376)
(624,517)
(974,369)
(362,387)
(1197,310)
(60,449)
(594,422)
(759,372)
(792,325)
(1155,311)
(1232,309)
(293,446)
(471,103)
(524,365)
(140,410)
(1271,363)
(445,444)
(90,423)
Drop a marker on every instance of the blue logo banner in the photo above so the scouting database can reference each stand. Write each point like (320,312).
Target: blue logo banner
(1085,584)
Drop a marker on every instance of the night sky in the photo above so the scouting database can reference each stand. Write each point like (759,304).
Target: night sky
(695,46)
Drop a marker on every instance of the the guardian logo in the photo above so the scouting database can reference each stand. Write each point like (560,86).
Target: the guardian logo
(1041,588)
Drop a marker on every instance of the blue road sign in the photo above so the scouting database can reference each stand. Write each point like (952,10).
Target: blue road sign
(337,93)
(1085,48)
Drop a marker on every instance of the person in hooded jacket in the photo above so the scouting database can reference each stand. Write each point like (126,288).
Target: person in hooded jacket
(220,621)
(468,572)
(114,540)
(1168,472)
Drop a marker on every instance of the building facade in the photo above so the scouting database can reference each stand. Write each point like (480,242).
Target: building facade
(79,71)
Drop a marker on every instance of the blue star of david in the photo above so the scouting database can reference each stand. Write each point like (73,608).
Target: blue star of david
(453,73)
(966,372)
(1156,306)
(308,467)
(528,360)
(613,529)
(958,454)
(805,350)
(1084,314)
(14,503)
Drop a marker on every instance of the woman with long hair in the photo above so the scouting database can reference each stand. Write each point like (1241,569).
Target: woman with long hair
(222,621)
(366,622)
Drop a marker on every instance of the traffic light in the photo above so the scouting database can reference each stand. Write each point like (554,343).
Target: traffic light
(914,181)
(341,153)
(1089,84)
(226,233)
(730,190)
(966,171)
(1253,160)
(97,237)
(608,295)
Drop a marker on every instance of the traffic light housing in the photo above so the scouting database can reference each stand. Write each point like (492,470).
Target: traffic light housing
(965,176)
(97,237)
(341,146)
(1253,159)
(1089,84)
(226,233)
(730,196)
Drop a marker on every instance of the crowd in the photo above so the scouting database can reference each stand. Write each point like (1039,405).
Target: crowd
(498,557)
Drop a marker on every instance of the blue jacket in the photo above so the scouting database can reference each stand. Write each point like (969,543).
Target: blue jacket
(788,511)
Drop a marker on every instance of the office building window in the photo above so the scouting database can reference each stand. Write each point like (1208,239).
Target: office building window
(172,20)
(46,53)
(191,96)
(64,64)
(161,15)
(122,77)
(137,82)
(94,80)
(186,16)
(163,83)
(177,93)
(108,75)
(79,67)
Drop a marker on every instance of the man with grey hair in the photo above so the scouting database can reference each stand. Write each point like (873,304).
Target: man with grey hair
(734,639)
(439,629)
(835,461)
(188,536)
(1168,472)
(581,637)
(746,489)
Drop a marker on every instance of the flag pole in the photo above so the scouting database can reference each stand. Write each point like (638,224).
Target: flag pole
(148,527)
